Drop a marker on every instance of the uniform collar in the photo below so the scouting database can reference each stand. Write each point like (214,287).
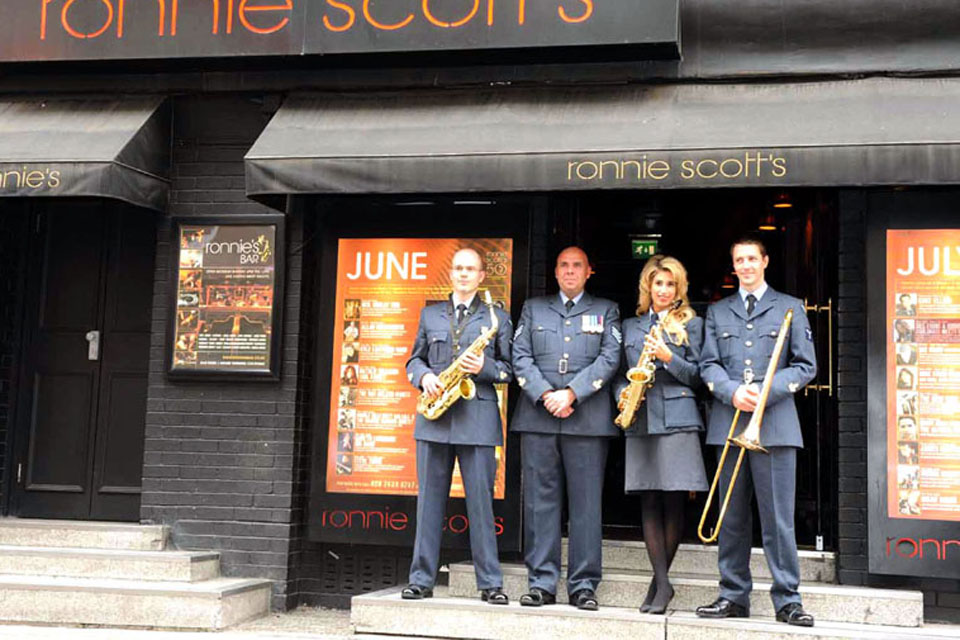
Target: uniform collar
(564,298)
(758,294)
(468,303)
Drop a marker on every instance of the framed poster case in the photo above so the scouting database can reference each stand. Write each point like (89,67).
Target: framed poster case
(226,279)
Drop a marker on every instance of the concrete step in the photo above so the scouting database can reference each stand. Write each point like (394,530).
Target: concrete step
(82,534)
(383,612)
(701,560)
(209,605)
(171,566)
(627,589)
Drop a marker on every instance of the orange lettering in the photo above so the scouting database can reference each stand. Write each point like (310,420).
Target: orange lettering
(174,10)
(429,16)
(216,17)
(229,16)
(351,16)
(588,11)
(43,19)
(287,6)
(490,13)
(385,27)
(76,34)
(523,12)
(161,18)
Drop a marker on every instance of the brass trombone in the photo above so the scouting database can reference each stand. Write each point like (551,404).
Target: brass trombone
(749,438)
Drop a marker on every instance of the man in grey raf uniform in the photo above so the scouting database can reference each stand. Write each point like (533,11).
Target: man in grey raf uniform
(566,350)
(470,430)
(740,334)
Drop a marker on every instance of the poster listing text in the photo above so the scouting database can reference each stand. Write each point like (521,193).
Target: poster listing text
(225,290)
(382,285)
(923,374)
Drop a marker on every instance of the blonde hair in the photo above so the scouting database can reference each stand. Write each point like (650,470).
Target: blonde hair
(674,324)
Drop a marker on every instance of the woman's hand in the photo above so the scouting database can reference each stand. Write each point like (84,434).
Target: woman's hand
(660,349)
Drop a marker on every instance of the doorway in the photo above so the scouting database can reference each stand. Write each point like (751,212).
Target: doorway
(82,401)
(799,230)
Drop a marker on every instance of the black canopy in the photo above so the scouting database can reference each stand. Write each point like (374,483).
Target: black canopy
(86,147)
(880,131)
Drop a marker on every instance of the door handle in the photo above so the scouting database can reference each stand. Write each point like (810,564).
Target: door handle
(93,345)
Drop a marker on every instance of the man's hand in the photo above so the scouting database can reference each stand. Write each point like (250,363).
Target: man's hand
(472,363)
(660,348)
(559,403)
(746,396)
(430,384)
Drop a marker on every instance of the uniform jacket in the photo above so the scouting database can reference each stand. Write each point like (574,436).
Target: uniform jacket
(671,403)
(475,421)
(547,334)
(733,342)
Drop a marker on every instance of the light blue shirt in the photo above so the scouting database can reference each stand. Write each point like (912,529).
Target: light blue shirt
(762,289)
(564,298)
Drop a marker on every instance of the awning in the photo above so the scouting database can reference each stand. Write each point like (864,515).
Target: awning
(881,131)
(86,147)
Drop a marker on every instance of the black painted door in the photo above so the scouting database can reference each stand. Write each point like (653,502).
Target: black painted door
(83,400)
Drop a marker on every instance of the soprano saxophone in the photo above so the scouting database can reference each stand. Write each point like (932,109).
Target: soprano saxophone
(641,377)
(455,382)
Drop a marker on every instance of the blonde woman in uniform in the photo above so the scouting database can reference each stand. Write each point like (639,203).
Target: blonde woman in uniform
(663,458)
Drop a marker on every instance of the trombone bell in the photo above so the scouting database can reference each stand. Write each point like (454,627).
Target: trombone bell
(749,438)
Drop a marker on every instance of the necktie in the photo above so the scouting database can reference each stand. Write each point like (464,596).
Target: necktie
(654,318)
(569,304)
(461,310)
(751,303)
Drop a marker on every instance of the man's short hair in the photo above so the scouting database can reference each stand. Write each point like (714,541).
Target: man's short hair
(748,239)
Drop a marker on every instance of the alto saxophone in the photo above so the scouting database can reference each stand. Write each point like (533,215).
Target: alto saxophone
(641,377)
(455,382)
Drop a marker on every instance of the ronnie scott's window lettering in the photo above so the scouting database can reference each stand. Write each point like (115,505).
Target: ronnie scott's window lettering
(382,285)
(923,374)
(225,298)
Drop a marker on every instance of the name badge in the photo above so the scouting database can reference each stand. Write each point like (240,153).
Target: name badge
(591,323)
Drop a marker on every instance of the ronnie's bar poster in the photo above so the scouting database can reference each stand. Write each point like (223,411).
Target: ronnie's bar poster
(382,284)
(923,374)
(226,287)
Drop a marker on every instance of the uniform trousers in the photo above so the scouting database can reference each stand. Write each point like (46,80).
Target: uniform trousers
(551,461)
(774,478)
(478,467)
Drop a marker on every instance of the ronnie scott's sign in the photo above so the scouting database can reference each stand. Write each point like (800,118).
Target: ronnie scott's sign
(32,30)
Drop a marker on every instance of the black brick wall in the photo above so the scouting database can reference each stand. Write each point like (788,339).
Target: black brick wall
(219,457)
(941,599)
(13,248)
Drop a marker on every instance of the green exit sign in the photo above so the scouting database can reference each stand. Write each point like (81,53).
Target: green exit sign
(643,249)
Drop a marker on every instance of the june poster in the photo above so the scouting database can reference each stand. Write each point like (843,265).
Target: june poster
(923,374)
(382,284)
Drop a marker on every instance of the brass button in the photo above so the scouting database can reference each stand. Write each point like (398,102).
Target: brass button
(726,335)
(566,338)
(749,325)
(748,362)
(568,323)
(683,393)
(566,355)
(748,343)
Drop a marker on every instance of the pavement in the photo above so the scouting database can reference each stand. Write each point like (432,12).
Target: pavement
(306,622)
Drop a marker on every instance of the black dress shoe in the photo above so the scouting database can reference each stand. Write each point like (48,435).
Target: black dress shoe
(494,595)
(723,608)
(794,614)
(537,597)
(416,592)
(585,599)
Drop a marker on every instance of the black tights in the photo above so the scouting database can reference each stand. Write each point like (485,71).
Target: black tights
(661,515)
